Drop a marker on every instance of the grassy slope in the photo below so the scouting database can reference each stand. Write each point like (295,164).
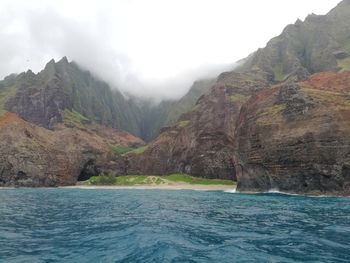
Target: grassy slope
(123,150)
(344,64)
(131,180)
(74,119)
(5,95)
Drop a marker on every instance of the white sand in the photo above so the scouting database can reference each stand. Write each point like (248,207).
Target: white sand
(179,186)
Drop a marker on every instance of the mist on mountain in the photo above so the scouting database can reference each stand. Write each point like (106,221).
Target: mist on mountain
(154,49)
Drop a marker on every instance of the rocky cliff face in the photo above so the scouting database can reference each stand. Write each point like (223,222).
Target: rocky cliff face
(154,117)
(187,102)
(320,43)
(42,105)
(56,136)
(43,98)
(270,123)
(293,137)
(201,142)
(35,156)
(296,137)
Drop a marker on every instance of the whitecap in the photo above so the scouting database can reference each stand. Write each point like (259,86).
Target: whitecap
(232,191)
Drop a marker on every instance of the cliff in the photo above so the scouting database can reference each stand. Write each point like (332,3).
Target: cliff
(35,156)
(272,122)
(296,137)
(278,121)
(43,98)
(201,142)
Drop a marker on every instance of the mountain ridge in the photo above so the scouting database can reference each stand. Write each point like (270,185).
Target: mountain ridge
(280,120)
(231,132)
(43,97)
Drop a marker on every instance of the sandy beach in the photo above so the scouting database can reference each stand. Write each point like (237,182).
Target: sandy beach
(161,186)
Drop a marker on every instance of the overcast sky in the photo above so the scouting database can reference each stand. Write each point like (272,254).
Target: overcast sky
(154,48)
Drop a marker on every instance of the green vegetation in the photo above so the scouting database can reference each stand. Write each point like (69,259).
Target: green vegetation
(120,150)
(102,180)
(124,150)
(278,72)
(271,114)
(5,95)
(196,107)
(183,123)
(344,64)
(196,180)
(74,119)
(275,109)
(119,180)
(330,98)
(238,98)
(131,180)
(139,150)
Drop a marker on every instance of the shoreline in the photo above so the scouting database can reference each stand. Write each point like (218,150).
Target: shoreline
(196,187)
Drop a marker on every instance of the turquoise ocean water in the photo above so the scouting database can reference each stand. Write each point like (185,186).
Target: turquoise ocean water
(79,225)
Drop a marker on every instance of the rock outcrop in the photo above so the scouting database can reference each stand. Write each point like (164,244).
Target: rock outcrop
(42,99)
(35,156)
(201,142)
(272,123)
(262,125)
(296,137)
(318,44)
(42,105)
(293,137)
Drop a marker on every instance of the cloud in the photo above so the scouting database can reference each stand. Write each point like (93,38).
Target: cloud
(153,48)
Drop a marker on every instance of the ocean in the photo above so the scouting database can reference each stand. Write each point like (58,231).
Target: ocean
(107,225)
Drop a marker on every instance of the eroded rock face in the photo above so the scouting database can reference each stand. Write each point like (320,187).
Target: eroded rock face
(41,105)
(293,137)
(35,156)
(296,137)
(318,44)
(201,143)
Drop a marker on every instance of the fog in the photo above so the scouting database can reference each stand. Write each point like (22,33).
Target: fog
(148,48)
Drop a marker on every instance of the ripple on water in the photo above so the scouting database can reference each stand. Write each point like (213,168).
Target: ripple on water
(74,225)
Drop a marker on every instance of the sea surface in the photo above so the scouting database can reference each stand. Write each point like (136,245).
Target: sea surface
(96,225)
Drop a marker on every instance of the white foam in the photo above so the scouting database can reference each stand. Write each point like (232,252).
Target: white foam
(274,190)
(232,191)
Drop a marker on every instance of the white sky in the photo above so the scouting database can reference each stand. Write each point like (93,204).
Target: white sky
(153,48)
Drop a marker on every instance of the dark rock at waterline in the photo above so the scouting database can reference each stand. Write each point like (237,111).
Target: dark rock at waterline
(299,142)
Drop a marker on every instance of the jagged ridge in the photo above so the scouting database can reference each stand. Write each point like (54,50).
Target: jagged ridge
(231,132)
